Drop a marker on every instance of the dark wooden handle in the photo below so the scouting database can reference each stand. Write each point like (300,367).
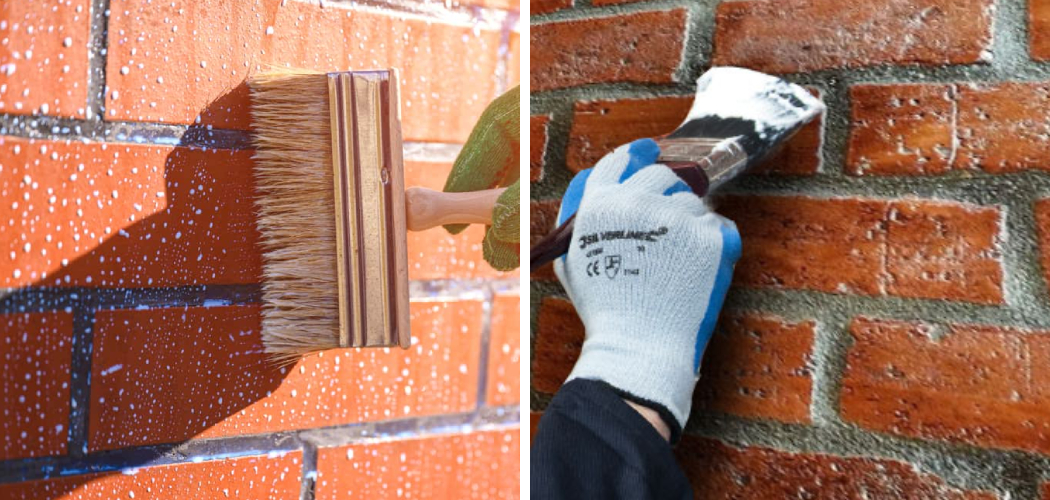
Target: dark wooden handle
(557,242)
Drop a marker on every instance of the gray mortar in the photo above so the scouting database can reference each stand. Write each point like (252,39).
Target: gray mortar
(1012,474)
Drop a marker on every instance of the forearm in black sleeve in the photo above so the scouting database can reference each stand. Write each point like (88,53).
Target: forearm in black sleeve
(591,445)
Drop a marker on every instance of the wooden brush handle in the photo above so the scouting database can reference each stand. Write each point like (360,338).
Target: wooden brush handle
(427,208)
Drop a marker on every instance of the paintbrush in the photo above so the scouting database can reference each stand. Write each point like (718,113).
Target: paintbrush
(737,119)
(333,210)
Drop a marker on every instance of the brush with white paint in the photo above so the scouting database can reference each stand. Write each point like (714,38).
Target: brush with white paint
(738,118)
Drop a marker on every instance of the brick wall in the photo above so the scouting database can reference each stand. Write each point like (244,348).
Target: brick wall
(129,282)
(887,332)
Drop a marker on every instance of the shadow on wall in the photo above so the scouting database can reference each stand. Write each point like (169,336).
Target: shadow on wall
(188,220)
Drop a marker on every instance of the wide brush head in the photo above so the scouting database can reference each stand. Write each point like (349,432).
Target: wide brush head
(758,110)
(330,210)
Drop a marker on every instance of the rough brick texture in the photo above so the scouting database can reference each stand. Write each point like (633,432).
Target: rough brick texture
(882,336)
(907,248)
(964,383)
(479,465)
(933,128)
(636,48)
(130,257)
(810,35)
(719,471)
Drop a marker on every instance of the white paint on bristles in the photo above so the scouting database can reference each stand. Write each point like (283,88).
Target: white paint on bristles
(770,102)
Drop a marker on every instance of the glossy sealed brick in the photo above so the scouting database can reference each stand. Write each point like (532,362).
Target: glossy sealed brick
(35,351)
(44,57)
(482,465)
(120,215)
(503,383)
(261,477)
(167,375)
(217,44)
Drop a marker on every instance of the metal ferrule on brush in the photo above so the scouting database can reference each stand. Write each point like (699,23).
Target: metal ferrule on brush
(718,160)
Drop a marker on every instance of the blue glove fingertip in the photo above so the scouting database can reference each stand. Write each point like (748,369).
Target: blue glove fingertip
(731,248)
(570,202)
(643,152)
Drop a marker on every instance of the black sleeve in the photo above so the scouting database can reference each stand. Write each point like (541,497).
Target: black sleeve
(591,445)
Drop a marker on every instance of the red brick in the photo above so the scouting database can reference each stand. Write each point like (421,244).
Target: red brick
(1042,220)
(543,215)
(180,216)
(943,250)
(811,35)
(166,375)
(1039,31)
(559,338)
(644,47)
(477,465)
(758,367)
(435,254)
(908,248)
(184,63)
(254,477)
(720,471)
(537,145)
(1002,128)
(933,128)
(504,375)
(35,349)
(980,385)
(44,57)
(902,129)
(534,423)
(601,126)
(548,6)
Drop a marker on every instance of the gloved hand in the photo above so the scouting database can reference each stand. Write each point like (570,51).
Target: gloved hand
(647,271)
(489,159)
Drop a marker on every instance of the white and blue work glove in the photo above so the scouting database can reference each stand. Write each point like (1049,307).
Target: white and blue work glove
(647,271)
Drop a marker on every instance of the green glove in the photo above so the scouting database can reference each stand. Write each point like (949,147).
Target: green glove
(489,160)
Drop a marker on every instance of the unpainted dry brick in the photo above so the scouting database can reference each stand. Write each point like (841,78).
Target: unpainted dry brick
(534,425)
(34,395)
(503,383)
(1042,218)
(542,217)
(559,339)
(478,465)
(907,248)
(759,367)
(933,128)
(436,254)
(808,35)
(980,385)
(537,145)
(901,129)
(187,61)
(548,6)
(599,127)
(229,387)
(108,215)
(44,57)
(720,471)
(1003,128)
(644,47)
(276,475)
(1039,32)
